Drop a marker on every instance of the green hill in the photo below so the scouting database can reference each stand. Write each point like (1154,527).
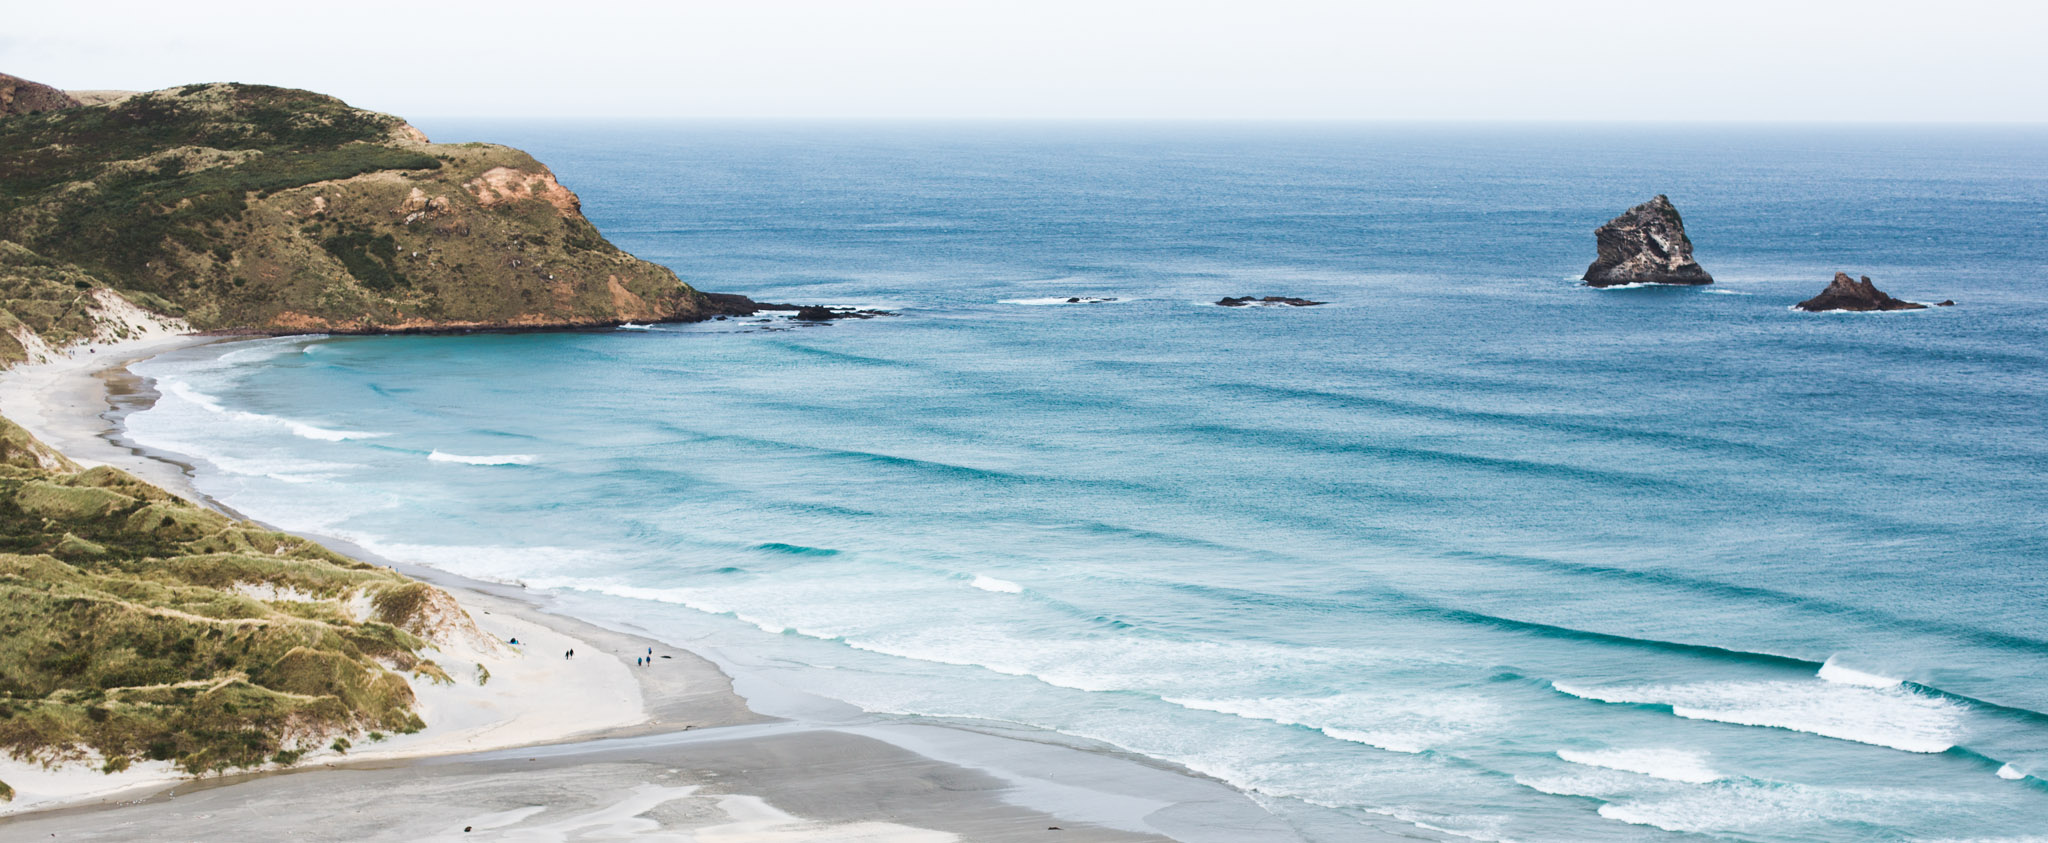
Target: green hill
(260,209)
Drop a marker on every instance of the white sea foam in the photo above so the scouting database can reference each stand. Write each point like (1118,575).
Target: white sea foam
(628,326)
(298,428)
(999,586)
(1676,765)
(326,434)
(1785,810)
(1882,716)
(487,459)
(2033,839)
(765,626)
(1924,308)
(2010,773)
(1838,674)
(1393,723)
(1727,805)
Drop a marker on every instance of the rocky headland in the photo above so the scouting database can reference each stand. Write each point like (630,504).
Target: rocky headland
(235,208)
(1645,245)
(1845,293)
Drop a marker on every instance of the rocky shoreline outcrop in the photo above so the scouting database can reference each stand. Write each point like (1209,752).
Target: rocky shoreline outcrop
(1268,301)
(1645,245)
(721,305)
(1845,293)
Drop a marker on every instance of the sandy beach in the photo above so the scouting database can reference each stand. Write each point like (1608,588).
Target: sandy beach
(594,747)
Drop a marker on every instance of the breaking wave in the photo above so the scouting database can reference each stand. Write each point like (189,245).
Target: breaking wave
(487,459)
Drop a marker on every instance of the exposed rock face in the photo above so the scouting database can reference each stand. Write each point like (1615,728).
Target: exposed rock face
(248,208)
(1646,245)
(1269,301)
(254,209)
(1845,293)
(20,96)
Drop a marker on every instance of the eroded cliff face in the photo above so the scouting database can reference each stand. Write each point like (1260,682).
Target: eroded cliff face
(20,96)
(1645,245)
(257,209)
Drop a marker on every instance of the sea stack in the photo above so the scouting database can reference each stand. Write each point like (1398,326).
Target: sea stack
(1845,293)
(1645,245)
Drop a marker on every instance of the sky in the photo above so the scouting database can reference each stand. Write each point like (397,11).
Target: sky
(1567,60)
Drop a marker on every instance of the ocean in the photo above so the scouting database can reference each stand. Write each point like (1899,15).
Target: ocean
(1472,550)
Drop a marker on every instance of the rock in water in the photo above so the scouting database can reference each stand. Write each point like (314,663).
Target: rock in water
(1845,293)
(1269,301)
(1646,245)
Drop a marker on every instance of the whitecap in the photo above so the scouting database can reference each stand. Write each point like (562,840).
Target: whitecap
(1881,716)
(765,626)
(1784,809)
(327,434)
(1838,674)
(999,586)
(487,459)
(298,428)
(2010,773)
(1396,724)
(1676,765)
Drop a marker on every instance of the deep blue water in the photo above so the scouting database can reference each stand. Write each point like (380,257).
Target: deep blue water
(1471,547)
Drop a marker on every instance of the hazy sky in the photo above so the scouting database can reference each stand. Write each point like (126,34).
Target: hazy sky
(1969,60)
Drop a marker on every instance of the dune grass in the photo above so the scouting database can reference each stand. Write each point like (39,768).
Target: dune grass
(136,625)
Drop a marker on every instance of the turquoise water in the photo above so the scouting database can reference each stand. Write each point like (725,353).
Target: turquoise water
(1472,547)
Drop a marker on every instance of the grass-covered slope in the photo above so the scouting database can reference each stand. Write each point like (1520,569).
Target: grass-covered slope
(136,625)
(247,207)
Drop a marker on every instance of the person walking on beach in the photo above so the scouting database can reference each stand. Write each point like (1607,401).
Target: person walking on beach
(570,654)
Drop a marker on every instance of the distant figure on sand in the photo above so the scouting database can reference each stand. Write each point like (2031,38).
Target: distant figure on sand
(570,654)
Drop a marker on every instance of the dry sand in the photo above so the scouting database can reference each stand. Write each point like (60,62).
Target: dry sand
(604,749)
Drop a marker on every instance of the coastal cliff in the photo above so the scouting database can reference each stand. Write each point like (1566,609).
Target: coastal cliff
(1645,245)
(255,209)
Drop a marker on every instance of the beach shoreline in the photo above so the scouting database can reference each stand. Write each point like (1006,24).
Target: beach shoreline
(879,784)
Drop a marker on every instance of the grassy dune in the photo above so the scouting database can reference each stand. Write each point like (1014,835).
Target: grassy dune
(136,625)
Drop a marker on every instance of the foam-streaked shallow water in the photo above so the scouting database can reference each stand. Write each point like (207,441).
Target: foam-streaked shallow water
(1471,547)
